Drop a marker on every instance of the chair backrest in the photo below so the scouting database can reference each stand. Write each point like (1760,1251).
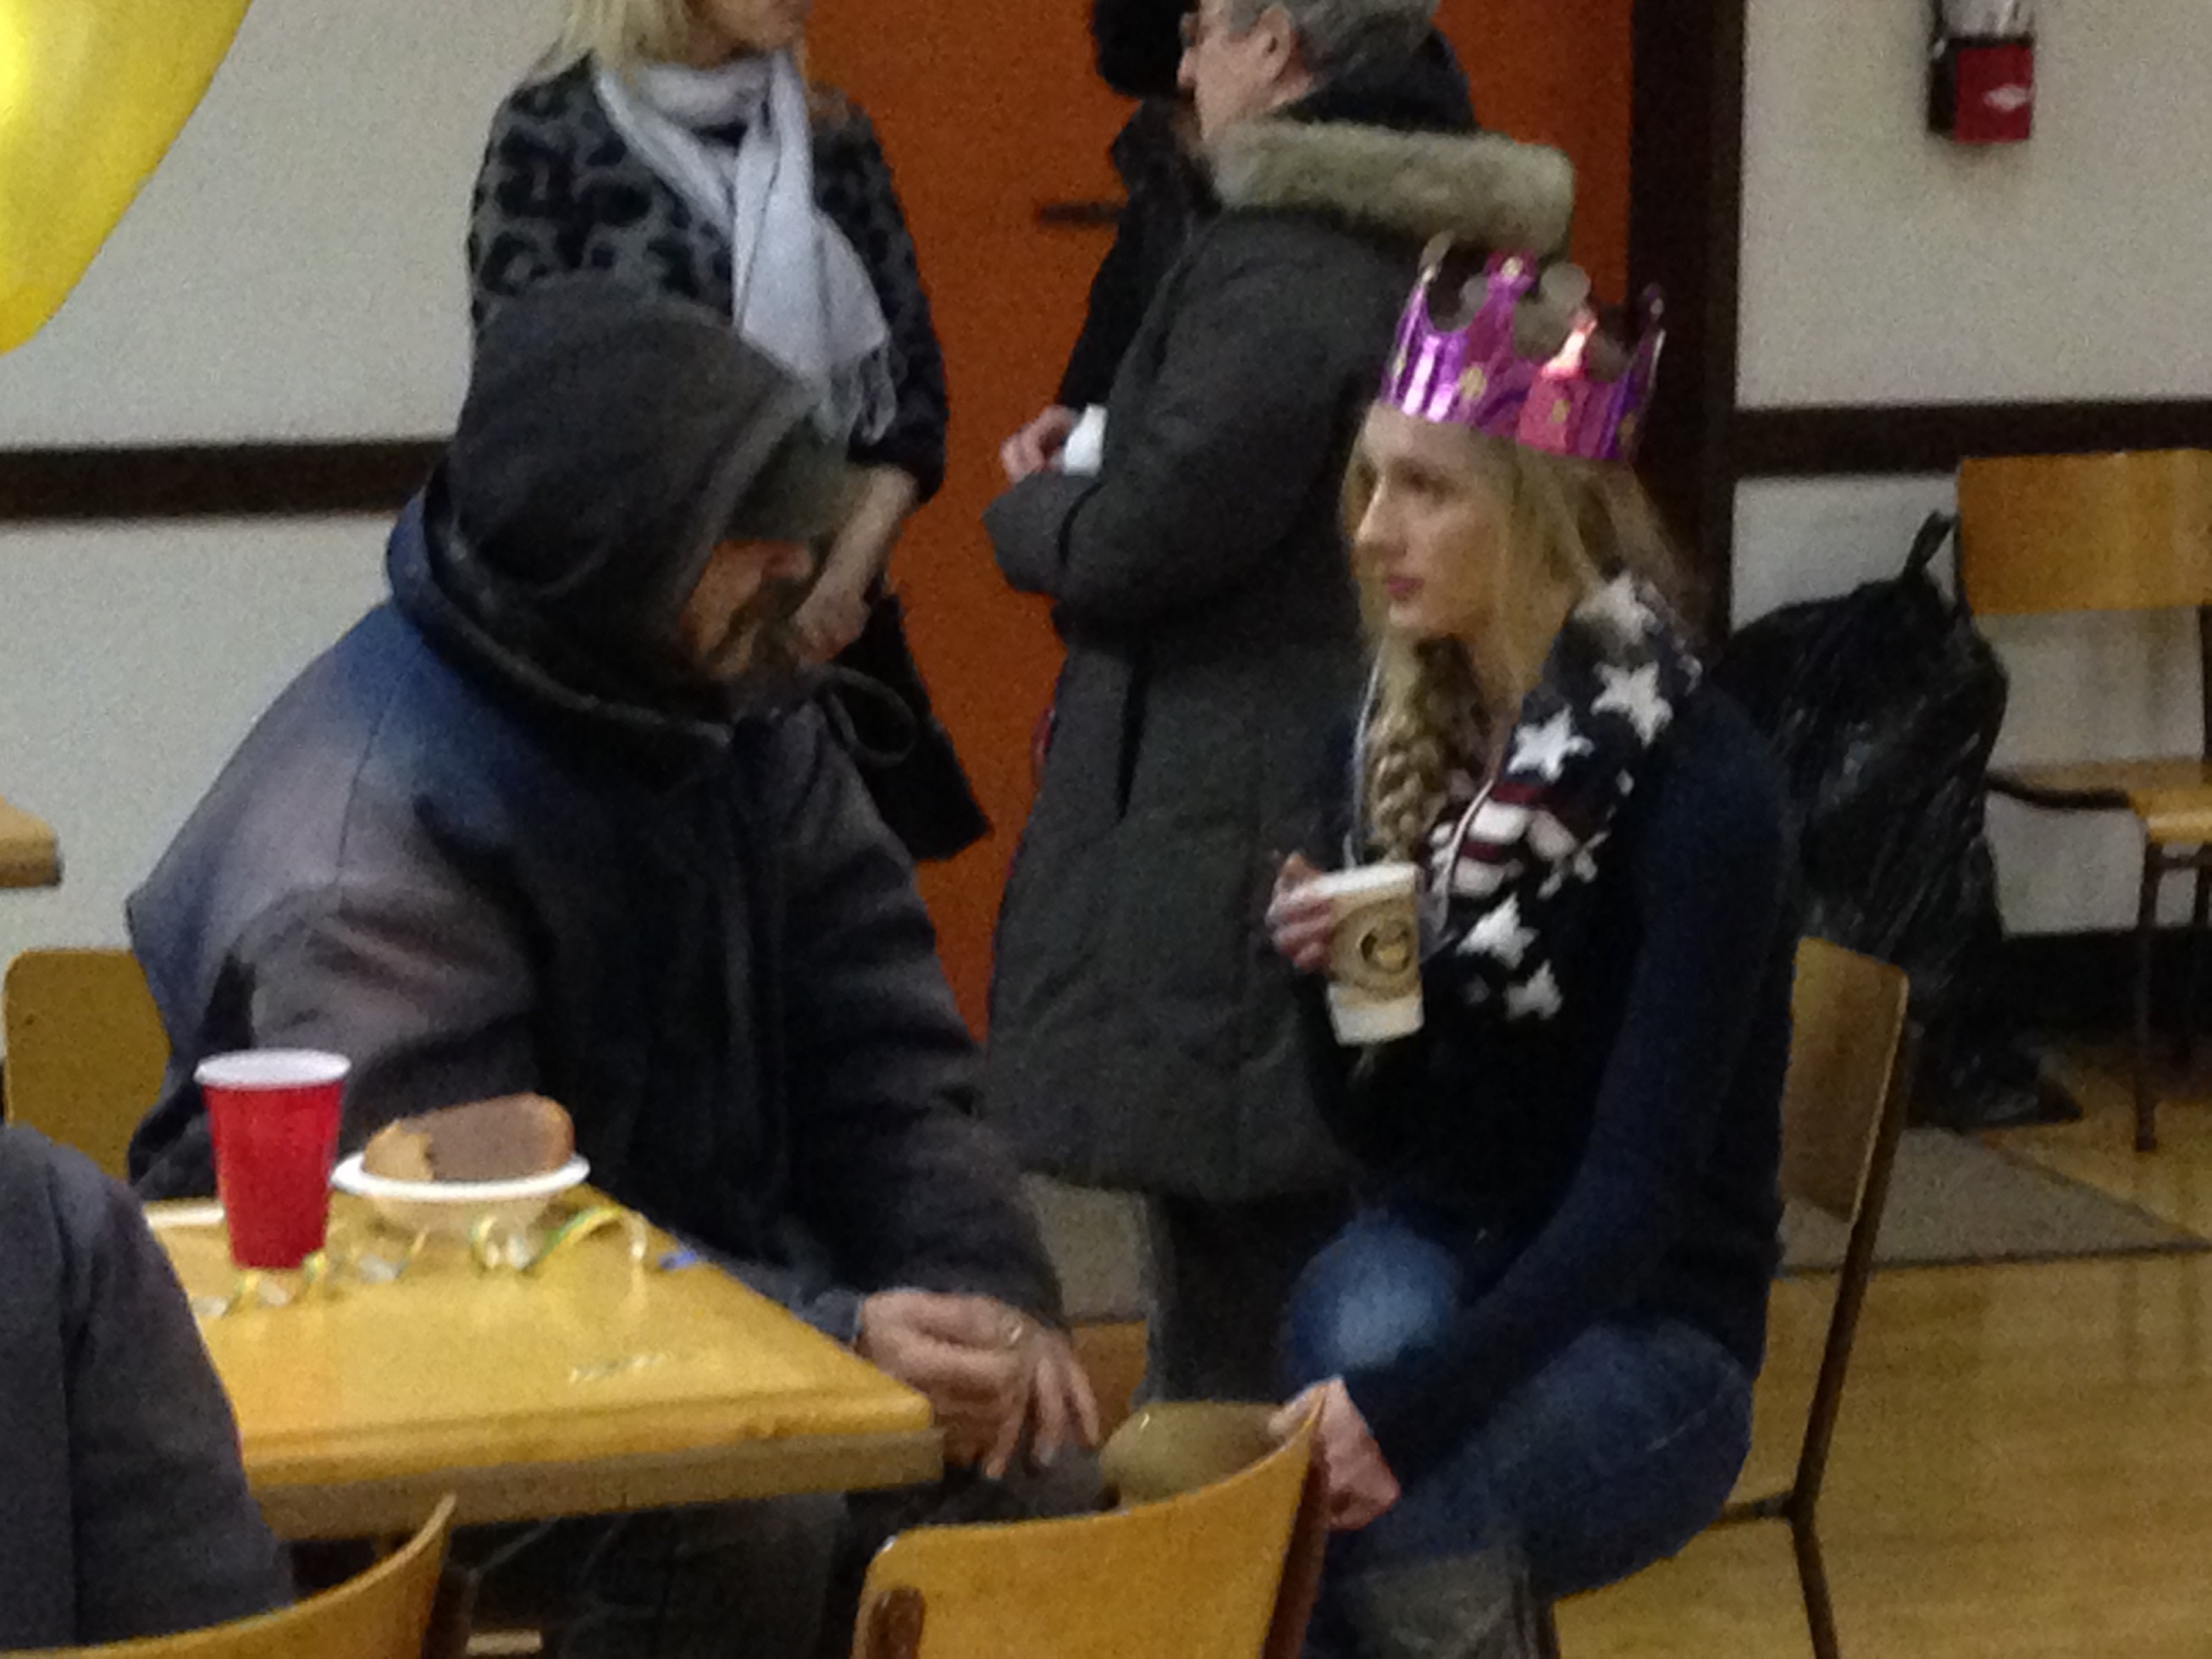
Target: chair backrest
(1198,1574)
(1847,1023)
(2086,533)
(1178,1446)
(28,855)
(384,1614)
(1843,1110)
(85,1048)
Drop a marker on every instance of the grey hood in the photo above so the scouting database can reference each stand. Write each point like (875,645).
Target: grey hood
(608,440)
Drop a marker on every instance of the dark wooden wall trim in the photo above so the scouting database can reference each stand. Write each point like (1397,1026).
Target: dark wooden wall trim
(1686,198)
(214,480)
(1922,438)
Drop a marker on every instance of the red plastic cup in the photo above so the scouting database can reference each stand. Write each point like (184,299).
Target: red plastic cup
(274,1115)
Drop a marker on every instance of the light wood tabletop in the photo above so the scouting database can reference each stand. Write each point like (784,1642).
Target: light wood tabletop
(592,1383)
(28,855)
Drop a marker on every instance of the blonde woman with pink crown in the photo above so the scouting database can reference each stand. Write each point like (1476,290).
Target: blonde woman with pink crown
(1533,1348)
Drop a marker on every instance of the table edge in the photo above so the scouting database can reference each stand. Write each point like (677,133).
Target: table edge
(605,1485)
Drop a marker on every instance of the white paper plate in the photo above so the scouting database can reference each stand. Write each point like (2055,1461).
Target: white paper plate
(456,1207)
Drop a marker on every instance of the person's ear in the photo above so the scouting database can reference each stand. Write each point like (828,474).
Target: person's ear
(1279,37)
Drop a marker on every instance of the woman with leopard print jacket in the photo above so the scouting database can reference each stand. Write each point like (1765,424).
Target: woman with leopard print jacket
(676,143)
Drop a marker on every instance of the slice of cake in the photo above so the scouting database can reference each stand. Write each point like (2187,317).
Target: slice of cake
(502,1140)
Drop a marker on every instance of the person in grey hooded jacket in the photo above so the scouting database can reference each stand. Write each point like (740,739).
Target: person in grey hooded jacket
(556,818)
(126,1511)
(1142,1037)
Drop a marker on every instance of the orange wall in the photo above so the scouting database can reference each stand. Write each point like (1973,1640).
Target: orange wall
(1556,72)
(989,107)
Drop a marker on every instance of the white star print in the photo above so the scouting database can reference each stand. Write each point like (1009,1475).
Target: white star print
(1546,747)
(1500,934)
(1582,867)
(1636,695)
(1617,607)
(1536,996)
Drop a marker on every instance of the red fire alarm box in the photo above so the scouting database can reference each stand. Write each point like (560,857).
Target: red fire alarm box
(1981,87)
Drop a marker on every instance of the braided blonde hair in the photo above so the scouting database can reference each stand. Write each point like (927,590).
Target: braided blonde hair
(1586,522)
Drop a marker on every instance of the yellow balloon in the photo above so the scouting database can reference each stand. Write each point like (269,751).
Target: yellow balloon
(92,93)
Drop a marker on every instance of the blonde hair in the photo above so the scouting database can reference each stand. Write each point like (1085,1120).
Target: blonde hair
(622,33)
(1586,522)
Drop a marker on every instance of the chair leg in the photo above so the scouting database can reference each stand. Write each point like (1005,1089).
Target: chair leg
(1548,1632)
(2146,935)
(1813,1577)
(2192,986)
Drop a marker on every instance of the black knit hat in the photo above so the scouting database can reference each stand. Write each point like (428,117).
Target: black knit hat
(611,438)
(1139,44)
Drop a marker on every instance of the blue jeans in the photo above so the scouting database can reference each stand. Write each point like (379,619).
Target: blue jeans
(1217,1278)
(1614,1455)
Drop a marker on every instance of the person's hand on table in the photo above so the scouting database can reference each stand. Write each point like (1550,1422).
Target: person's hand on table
(1298,919)
(1062,1408)
(1357,1483)
(1032,449)
(990,1372)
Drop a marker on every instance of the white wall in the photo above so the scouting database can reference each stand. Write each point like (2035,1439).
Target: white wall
(294,271)
(1883,265)
(294,268)
(132,659)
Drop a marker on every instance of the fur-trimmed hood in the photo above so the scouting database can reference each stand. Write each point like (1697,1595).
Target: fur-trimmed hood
(1491,191)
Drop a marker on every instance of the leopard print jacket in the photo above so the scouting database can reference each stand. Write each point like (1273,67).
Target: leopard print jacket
(560,191)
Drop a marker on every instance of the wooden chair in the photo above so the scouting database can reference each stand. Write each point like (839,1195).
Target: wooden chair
(1843,1110)
(1179,1446)
(385,1614)
(85,1047)
(2109,532)
(29,856)
(1225,1570)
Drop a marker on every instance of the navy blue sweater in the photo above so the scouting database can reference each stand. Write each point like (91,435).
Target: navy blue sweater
(1621,1158)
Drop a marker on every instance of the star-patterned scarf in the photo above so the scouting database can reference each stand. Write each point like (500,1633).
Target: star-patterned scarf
(1511,869)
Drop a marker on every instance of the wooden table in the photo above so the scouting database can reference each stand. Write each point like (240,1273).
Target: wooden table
(28,855)
(591,1385)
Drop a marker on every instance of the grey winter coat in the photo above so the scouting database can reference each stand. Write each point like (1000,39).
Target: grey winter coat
(435,858)
(126,1512)
(1143,1035)
(498,838)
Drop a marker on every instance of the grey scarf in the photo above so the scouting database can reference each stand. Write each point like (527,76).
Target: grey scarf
(798,291)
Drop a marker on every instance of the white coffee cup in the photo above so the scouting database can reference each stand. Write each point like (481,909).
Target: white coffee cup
(1084,452)
(1373,952)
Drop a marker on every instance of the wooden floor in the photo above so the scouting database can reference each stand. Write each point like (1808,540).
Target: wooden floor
(2024,1464)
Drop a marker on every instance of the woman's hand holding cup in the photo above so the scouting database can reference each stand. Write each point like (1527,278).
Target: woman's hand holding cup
(1300,916)
(1360,927)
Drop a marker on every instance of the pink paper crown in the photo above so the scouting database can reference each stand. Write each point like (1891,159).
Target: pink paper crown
(1475,376)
